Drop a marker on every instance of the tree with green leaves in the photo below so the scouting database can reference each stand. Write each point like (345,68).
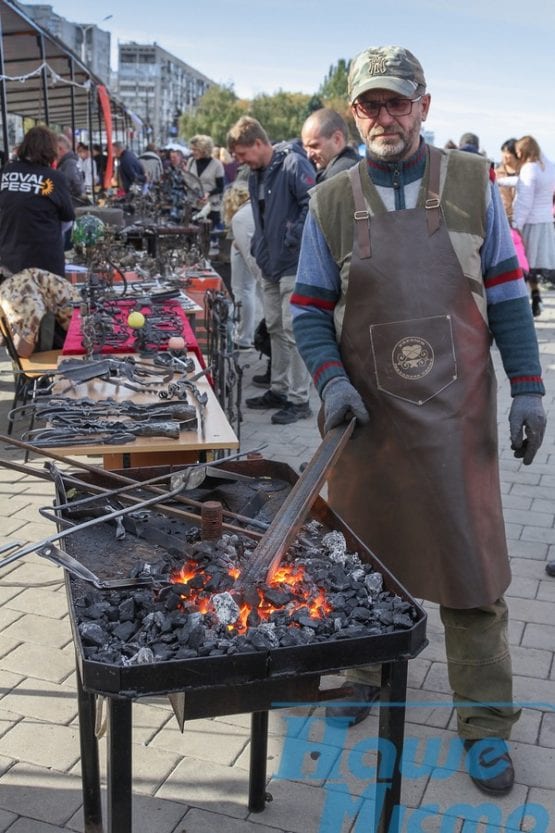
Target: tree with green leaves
(333,91)
(281,114)
(218,109)
(334,85)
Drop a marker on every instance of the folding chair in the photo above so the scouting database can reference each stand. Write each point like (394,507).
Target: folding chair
(29,372)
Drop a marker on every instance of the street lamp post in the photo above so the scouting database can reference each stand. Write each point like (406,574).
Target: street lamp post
(86,27)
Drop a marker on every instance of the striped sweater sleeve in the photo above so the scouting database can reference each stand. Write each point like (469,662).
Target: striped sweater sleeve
(314,297)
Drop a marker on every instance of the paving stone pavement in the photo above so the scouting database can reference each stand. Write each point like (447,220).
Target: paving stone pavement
(197,782)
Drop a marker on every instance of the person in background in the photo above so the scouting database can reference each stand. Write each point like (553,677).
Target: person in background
(68,166)
(38,306)
(406,271)
(508,167)
(177,185)
(210,171)
(34,203)
(101,160)
(533,213)
(152,164)
(506,174)
(280,179)
(230,166)
(325,138)
(470,143)
(87,166)
(130,170)
(246,278)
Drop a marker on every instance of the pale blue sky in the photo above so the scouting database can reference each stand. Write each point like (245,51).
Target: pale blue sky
(489,64)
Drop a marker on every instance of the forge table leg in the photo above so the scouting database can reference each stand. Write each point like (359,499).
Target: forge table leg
(119,769)
(392,731)
(258,760)
(90,769)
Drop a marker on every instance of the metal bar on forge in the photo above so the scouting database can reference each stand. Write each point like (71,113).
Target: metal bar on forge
(290,516)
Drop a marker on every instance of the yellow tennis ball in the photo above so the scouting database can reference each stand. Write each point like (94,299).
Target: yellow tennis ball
(136,320)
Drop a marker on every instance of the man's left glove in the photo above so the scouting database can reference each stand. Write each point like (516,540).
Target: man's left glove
(527,425)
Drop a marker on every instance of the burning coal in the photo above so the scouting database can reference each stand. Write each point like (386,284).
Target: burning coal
(320,592)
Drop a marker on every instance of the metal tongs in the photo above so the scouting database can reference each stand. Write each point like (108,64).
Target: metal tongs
(188,479)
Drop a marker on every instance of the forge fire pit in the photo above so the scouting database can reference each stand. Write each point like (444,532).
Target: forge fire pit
(136,642)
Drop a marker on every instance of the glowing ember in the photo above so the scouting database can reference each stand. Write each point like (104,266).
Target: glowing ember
(295,592)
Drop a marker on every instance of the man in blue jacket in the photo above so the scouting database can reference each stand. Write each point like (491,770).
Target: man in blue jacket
(130,170)
(280,178)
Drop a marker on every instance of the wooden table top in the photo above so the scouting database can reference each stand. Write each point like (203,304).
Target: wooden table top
(218,433)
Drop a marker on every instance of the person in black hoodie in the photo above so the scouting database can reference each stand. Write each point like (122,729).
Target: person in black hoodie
(34,202)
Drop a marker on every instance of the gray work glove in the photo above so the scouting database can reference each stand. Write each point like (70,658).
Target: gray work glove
(341,403)
(527,425)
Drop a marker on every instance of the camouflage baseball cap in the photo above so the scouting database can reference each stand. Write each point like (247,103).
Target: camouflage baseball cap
(386,68)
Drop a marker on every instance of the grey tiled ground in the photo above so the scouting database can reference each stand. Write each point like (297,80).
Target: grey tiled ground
(197,782)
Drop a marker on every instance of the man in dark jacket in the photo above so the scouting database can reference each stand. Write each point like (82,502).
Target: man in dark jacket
(325,139)
(280,178)
(130,170)
(68,165)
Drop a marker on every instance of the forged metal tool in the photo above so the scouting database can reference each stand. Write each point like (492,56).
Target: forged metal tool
(184,480)
(120,478)
(290,516)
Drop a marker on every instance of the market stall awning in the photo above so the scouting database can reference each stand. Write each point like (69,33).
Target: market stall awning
(42,78)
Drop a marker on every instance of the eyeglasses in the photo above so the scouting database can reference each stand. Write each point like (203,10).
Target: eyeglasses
(394,106)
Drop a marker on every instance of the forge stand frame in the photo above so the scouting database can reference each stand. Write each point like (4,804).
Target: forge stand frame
(254,683)
(201,702)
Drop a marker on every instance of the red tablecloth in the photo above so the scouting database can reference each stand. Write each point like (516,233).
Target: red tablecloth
(127,341)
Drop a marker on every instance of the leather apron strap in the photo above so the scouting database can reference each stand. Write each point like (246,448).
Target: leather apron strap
(432,204)
(362,215)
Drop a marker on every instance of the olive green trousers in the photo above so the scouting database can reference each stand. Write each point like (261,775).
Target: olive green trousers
(479,669)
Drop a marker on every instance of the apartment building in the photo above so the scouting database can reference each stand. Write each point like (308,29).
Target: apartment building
(158,87)
(90,42)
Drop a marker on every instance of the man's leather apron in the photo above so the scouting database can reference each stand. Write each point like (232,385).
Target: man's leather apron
(420,483)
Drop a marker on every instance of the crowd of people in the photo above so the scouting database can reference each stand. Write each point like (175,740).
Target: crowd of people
(382,280)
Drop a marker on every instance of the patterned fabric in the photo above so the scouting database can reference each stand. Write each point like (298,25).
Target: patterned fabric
(386,68)
(27,296)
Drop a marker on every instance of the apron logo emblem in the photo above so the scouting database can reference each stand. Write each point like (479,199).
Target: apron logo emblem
(412,357)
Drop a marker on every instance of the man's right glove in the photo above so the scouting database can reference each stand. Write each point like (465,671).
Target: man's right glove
(527,425)
(341,403)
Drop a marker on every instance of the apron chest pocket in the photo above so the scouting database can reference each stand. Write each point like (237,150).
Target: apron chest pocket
(414,360)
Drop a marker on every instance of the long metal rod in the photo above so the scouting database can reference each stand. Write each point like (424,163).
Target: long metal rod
(120,478)
(290,516)
(119,513)
(170,511)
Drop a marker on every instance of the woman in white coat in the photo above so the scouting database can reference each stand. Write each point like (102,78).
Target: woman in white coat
(245,274)
(533,212)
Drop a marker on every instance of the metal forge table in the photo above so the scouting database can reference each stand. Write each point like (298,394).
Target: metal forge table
(244,682)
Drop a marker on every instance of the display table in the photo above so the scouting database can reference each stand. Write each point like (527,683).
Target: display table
(191,446)
(126,340)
